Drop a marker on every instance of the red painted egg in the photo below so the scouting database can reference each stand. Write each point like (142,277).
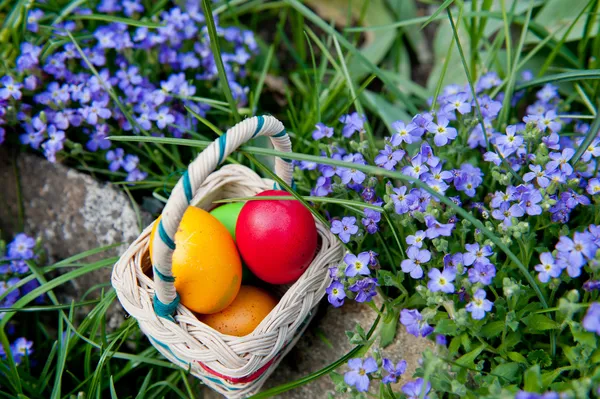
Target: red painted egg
(276,238)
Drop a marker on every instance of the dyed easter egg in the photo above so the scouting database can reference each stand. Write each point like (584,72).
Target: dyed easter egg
(206,264)
(245,313)
(228,215)
(277,239)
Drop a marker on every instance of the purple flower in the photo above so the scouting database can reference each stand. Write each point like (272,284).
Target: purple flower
(530,202)
(403,133)
(344,228)
(441,340)
(115,157)
(394,372)
(11,88)
(352,123)
(582,245)
(443,133)
(321,131)
(547,268)
(489,107)
(417,239)
(388,158)
(21,247)
(487,81)
(593,186)
(335,293)
(416,168)
(413,389)
(549,121)
(561,161)
(416,257)
(162,117)
(96,110)
(98,140)
(591,320)
(364,289)
(479,305)
(476,254)
(21,348)
(459,102)
(136,175)
(441,281)
(533,395)
(357,264)
(32,19)
(506,213)
(482,273)
(322,187)
(413,321)
(436,229)
(372,217)
(591,285)
(358,376)
(537,173)
(453,260)
(402,200)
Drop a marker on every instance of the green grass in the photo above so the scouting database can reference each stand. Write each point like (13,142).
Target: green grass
(314,58)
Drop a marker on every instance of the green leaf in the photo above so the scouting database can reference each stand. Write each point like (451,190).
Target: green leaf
(388,329)
(111,18)
(509,371)
(446,327)
(469,358)
(584,337)
(558,13)
(539,322)
(540,357)
(389,279)
(490,330)
(387,111)
(517,357)
(533,379)
(575,75)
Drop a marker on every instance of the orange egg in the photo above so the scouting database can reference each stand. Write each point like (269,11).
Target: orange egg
(245,313)
(206,264)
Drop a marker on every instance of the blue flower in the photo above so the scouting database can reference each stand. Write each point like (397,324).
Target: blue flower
(115,157)
(417,167)
(475,253)
(394,371)
(413,321)
(372,217)
(403,133)
(357,264)
(416,257)
(388,158)
(593,186)
(442,133)
(479,305)
(547,268)
(321,131)
(20,349)
(417,239)
(344,228)
(441,281)
(537,173)
(482,273)
(402,200)
(358,376)
(436,229)
(352,123)
(591,320)
(413,389)
(364,289)
(335,293)
(459,102)
(11,88)
(506,213)
(21,247)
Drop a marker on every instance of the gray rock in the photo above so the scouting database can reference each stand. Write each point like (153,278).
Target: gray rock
(71,212)
(325,341)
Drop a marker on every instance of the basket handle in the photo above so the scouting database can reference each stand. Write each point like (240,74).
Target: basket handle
(166,298)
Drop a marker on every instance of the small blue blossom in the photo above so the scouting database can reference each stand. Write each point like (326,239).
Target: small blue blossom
(345,228)
(115,157)
(416,257)
(11,88)
(322,131)
(591,320)
(358,376)
(414,389)
(357,264)
(364,289)
(335,293)
(352,123)
(593,186)
(371,219)
(479,305)
(21,247)
(441,281)
(413,321)
(388,158)
(417,239)
(403,133)
(475,253)
(442,133)
(436,229)
(547,268)
(482,273)
(20,349)
(394,371)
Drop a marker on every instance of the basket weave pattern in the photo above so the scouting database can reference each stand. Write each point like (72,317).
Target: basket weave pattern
(233,366)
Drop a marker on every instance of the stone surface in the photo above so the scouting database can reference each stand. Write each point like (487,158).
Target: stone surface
(71,212)
(325,341)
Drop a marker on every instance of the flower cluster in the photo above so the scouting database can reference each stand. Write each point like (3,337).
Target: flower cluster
(13,266)
(353,276)
(479,194)
(59,104)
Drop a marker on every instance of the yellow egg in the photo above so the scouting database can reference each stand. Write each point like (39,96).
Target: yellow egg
(245,313)
(206,264)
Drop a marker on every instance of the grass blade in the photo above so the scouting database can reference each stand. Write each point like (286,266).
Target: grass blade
(590,136)
(112,18)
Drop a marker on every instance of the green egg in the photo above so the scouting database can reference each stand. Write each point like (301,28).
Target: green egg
(228,215)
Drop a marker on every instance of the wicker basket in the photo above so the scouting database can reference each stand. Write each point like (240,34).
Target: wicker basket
(234,366)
